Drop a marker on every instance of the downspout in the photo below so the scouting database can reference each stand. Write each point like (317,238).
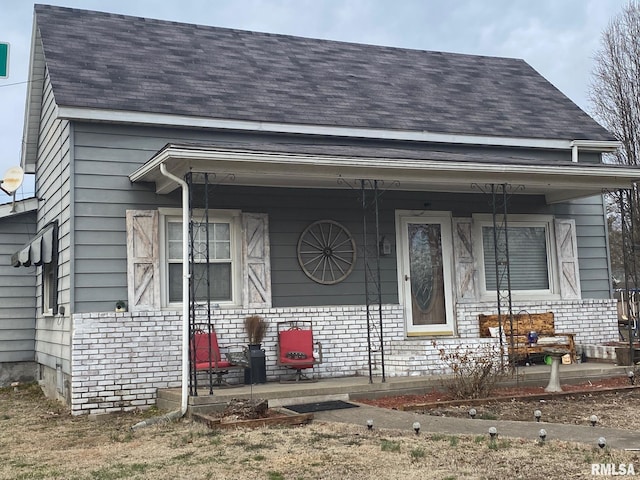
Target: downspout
(185,286)
(600,146)
(177,414)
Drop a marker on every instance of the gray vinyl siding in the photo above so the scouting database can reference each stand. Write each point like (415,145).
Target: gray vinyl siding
(591,231)
(53,187)
(17,292)
(105,155)
(290,211)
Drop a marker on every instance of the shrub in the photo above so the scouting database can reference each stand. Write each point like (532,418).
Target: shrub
(474,372)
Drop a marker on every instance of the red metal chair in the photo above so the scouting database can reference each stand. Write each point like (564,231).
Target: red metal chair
(206,355)
(296,348)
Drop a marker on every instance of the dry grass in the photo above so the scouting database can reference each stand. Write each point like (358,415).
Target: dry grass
(38,440)
(614,410)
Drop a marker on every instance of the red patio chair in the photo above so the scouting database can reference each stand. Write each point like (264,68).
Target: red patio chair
(296,348)
(206,355)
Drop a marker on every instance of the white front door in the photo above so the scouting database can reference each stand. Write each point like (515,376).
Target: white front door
(425,257)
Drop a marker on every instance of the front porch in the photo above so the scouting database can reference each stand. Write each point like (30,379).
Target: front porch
(354,388)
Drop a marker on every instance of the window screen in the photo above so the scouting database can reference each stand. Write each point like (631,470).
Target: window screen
(527,258)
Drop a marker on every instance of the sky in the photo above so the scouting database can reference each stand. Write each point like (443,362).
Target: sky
(557,37)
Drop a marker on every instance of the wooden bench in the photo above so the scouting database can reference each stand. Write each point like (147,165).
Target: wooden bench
(523,323)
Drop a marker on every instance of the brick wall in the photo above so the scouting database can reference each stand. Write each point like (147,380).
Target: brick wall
(594,321)
(119,360)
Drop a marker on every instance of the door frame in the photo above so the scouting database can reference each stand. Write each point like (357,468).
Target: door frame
(444,219)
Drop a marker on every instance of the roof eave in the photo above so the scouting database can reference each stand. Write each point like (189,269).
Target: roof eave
(33,102)
(557,182)
(18,207)
(183,121)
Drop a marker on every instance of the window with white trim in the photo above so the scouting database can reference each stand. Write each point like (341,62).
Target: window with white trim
(49,293)
(531,254)
(222,264)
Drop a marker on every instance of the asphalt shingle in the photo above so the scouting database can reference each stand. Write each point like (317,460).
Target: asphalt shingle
(117,62)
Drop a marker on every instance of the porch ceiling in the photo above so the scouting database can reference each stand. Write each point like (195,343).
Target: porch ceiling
(408,170)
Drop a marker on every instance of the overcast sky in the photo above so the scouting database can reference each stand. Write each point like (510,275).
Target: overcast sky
(557,37)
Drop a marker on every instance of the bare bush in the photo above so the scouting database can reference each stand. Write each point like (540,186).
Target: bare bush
(475,371)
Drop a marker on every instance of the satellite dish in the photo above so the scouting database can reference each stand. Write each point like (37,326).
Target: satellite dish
(12,180)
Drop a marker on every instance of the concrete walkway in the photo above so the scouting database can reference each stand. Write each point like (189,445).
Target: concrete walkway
(354,388)
(400,420)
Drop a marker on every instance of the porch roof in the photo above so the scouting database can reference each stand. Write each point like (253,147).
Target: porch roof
(321,166)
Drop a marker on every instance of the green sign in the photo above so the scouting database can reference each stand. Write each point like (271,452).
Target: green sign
(4,60)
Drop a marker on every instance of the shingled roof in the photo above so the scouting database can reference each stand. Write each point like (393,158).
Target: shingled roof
(115,62)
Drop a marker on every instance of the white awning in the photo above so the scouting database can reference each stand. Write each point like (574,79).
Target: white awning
(39,250)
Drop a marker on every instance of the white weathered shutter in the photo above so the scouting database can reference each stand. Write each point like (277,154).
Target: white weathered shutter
(464,261)
(143,262)
(256,262)
(567,251)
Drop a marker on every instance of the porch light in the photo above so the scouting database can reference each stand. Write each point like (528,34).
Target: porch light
(385,246)
(602,442)
(493,432)
(542,434)
(537,415)
(370,424)
(416,427)
(473,413)
(593,419)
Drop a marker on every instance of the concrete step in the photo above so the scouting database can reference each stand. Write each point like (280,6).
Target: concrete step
(399,363)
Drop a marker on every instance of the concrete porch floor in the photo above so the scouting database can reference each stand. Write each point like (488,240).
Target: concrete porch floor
(358,387)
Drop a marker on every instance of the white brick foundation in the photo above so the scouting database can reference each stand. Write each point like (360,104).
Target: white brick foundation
(119,360)
(593,321)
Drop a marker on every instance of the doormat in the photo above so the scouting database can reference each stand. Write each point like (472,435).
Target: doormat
(320,406)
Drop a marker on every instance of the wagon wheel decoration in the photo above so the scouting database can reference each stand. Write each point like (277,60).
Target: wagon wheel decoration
(326,252)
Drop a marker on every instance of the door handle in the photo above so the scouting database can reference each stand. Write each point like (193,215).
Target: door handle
(406,278)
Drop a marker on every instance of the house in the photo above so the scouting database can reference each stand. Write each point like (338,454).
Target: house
(356,186)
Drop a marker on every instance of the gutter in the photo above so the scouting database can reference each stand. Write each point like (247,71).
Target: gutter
(593,146)
(177,414)
(397,164)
